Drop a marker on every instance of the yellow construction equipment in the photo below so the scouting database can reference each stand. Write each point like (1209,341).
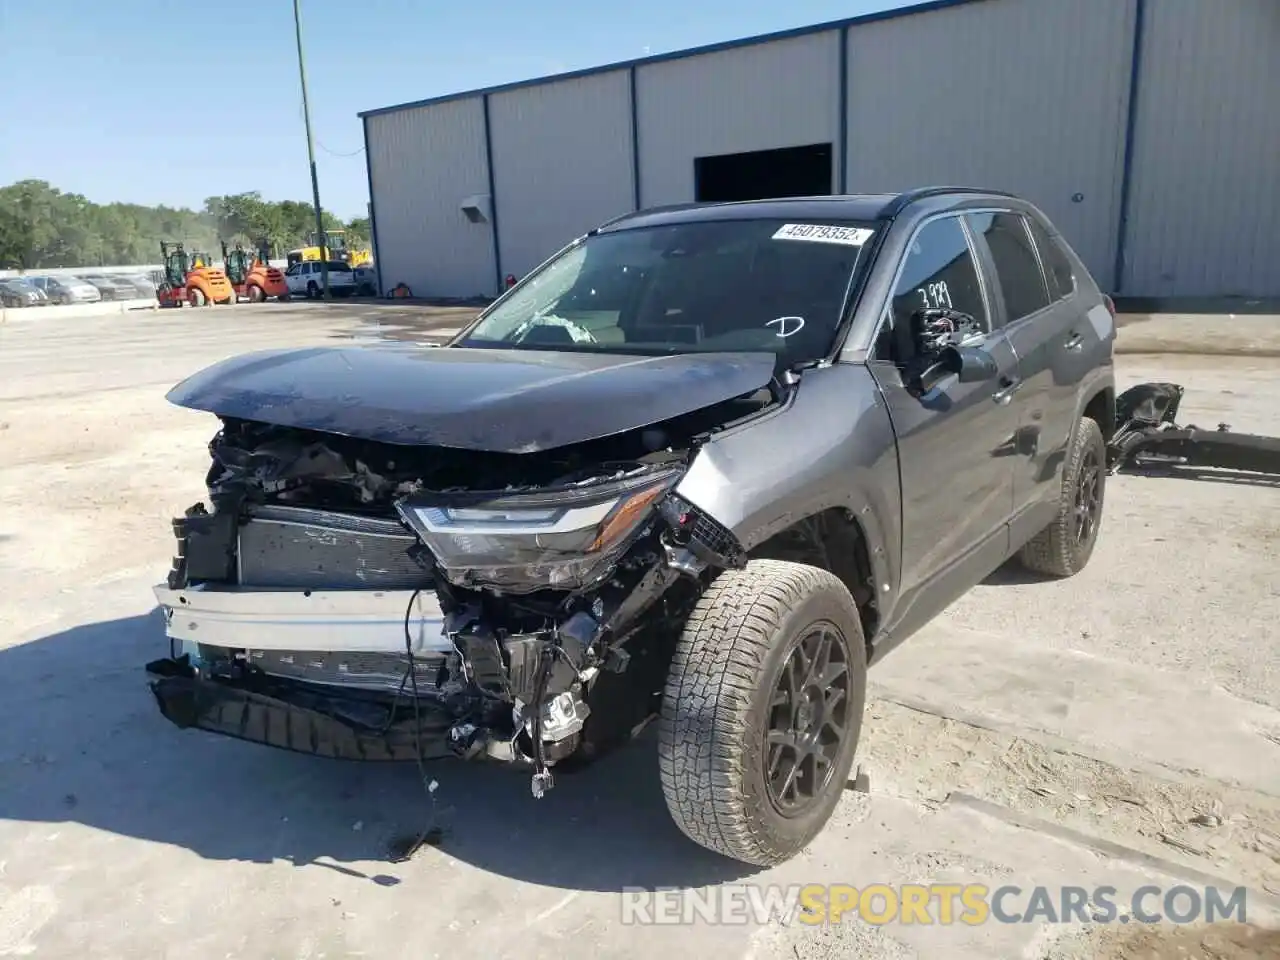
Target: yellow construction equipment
(331,245)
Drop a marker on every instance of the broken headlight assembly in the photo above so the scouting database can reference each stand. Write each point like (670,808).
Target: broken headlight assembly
(562,538)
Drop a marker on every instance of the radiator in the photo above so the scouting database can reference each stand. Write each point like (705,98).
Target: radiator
(298,547)
(368,671)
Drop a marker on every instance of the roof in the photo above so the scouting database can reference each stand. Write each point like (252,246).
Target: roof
(861,207)
(893,14)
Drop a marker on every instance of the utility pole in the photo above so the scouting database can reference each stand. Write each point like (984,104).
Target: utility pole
(311,156)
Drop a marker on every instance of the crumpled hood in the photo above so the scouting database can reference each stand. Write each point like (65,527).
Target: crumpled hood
(512,401)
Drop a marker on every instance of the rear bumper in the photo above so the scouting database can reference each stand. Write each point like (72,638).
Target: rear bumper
(366,621)
(301,718)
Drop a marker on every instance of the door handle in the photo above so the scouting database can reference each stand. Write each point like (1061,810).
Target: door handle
(1008,387)
(1075,341)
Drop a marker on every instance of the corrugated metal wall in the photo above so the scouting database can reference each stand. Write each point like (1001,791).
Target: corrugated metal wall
(778,94)
(1030,96)
(569,142)
(1204,212)
(423,163)
(1019,95)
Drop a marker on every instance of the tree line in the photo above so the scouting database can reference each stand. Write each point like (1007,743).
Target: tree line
(40,226)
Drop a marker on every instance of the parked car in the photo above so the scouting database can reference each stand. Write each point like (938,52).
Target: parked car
(20,292)
(64,289)
(143,288)
(307,279)
(366,278)
(703,466)
(111,286)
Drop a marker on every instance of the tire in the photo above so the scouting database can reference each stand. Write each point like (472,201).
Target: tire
(312,290)
(283,298)
(715,747)
(255,294)
(196,296)
(1063,548)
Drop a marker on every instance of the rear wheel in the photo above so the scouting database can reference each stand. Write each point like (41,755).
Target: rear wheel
(196,296)
(1064,547)
(255,294)
(313,291)
(762,710)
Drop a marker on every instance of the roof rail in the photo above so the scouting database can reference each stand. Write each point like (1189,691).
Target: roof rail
(903,200)
(645,211)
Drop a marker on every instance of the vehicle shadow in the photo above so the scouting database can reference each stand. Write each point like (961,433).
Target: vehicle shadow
(1207,475)
(1013,574)
(81,741)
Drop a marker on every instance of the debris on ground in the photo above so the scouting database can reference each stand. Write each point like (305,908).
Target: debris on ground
(1219,941)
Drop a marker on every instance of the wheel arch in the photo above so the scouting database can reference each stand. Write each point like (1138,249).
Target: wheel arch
(834,539)
(1100,407)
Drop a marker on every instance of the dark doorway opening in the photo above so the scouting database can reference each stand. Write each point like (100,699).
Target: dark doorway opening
(763,174)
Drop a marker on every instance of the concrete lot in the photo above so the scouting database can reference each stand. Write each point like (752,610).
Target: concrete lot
(1038,733)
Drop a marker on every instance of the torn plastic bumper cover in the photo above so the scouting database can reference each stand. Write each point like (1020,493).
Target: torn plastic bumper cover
(1148,435)
(298,717)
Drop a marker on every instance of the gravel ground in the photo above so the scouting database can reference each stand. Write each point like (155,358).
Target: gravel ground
(1137,704)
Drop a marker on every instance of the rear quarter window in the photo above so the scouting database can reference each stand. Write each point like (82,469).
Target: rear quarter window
(1057,265)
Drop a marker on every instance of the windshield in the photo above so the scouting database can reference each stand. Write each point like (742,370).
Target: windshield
(756,285)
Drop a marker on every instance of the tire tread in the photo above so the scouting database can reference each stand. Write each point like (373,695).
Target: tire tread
(1051,551)
(714,675)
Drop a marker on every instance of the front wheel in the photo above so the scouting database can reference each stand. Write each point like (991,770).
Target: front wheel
(762,710)
(313,291)
(1064,547)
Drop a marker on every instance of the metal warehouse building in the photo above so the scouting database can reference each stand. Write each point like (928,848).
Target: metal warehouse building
(1149,130)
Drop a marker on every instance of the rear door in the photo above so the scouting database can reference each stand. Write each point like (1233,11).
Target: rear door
(1039,328)
(955,476)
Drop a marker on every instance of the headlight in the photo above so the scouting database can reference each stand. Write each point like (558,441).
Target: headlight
(563,539)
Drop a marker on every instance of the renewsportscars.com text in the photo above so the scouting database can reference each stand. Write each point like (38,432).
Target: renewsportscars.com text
(937,903)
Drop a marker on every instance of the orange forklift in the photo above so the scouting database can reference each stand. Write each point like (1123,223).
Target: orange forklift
(191,278)
(252,276)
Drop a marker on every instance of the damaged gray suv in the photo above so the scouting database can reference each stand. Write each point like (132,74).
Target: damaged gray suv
(702,467)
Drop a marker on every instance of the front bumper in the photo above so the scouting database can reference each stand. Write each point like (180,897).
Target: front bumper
(357,621)
(228,676)
(324,719)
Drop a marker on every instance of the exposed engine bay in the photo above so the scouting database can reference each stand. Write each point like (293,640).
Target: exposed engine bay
(521,606)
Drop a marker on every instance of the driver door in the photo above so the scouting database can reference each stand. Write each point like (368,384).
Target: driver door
(953,441)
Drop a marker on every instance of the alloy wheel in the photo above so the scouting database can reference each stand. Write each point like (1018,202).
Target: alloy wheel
(1088,497)
(808,720)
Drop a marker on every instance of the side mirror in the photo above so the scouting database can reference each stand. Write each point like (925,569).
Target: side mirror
(969,364)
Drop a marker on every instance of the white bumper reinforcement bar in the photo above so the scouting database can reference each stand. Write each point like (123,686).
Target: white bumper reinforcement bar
(366,621)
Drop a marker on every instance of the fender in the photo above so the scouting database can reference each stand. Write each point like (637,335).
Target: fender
(766,474)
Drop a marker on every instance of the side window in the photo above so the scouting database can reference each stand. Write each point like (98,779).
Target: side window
(938,272)
(1057,267)
(1021,281)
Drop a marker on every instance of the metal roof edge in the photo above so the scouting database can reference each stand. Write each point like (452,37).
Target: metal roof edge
(927,6)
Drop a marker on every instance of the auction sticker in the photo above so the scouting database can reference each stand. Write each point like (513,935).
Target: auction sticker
(824,233)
